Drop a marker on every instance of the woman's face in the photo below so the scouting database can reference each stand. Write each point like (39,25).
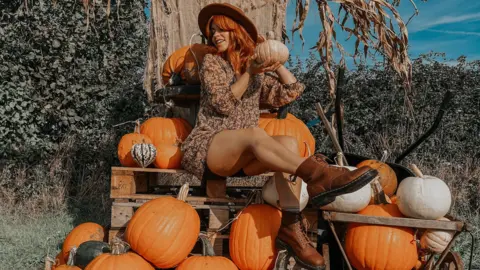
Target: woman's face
(220,38)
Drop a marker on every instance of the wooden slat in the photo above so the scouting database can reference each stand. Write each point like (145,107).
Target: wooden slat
(122,183)
(189,198)
(115,232)
(216,188)
(195,206)
(155,170)
(121,214)
(393,221)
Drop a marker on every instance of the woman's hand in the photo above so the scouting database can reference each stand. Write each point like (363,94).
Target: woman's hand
(255,68)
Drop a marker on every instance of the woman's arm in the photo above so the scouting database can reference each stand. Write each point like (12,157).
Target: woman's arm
(285,76)
(282,89)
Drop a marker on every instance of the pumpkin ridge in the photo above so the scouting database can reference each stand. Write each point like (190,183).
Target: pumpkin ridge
(178,232)
(159,227)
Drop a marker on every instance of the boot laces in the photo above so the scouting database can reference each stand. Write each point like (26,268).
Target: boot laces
(301,230)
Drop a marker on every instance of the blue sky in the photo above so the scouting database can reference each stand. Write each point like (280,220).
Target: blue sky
(449,26)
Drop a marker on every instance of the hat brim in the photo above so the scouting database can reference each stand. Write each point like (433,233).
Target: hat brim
(230,11)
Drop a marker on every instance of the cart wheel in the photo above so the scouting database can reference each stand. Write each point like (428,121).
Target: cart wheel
(452,261)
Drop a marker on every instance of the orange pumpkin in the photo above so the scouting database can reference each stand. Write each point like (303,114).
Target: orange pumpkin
(82,233)
(387,176)
(193,59)
(119,259)
(166,130)
(252,237)
(174,64)
(70,263)
(185,62)
(164,230)
(126,143)
(284,123)
(168,157)
(208,261)
(375,247)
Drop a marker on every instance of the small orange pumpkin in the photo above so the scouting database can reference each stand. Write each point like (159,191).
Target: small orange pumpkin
(378,247)
(82,233)
(252,237)
(119,259)
(126,143)
(166,130)
(164,230)
(208,261)
(70,263)
(387,176)
(284,123)
(168,157)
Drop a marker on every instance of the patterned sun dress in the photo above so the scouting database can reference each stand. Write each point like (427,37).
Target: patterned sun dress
(221,110)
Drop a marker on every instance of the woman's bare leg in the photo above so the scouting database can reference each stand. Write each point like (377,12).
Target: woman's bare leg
(232,150)
(255,167)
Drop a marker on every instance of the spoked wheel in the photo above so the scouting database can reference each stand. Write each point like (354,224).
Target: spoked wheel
(452,261)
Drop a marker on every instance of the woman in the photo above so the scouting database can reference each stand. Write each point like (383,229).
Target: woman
(226,139)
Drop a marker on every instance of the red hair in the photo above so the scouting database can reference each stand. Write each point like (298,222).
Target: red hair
(241,45)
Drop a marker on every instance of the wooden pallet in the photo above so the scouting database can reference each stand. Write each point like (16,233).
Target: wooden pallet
(217,202)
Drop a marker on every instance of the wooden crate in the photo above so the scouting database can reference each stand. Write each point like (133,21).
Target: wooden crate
(217,201)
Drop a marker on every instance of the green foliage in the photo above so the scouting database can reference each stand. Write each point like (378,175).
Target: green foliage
(58,77)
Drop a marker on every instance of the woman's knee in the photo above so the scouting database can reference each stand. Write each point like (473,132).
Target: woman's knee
(256,134)
(289,142)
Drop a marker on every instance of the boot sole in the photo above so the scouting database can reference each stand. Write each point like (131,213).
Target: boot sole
(327,197)
(280,245)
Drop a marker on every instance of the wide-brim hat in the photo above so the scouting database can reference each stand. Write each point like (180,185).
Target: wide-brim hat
(230,11)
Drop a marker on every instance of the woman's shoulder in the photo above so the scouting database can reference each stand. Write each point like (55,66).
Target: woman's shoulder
(212,57)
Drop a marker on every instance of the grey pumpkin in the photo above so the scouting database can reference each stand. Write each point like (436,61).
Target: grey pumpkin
(89,250)
(144,154)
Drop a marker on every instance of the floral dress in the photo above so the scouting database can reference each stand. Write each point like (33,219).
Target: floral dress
(221,110)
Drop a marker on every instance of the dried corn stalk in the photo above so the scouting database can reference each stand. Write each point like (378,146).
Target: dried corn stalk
(372,28)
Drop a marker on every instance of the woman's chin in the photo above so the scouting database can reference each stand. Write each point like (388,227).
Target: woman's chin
(221,49)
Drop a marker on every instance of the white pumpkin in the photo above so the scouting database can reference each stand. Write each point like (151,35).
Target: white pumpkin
(351,202)
(436,240)
(271,50)
(270,194)
(423,196)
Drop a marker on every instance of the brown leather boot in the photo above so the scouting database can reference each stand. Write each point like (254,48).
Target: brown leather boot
(325,182)
(292,238)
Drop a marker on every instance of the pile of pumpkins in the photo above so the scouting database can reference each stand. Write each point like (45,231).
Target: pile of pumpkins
(163,232)
(388,247)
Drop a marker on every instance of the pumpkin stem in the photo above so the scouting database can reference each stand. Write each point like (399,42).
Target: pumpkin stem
(384,156)
(183,193)
(380,197)
(416,170)
(308,148)
(119,247)
(71,256)
(207,249)
(137,127)
(282,112)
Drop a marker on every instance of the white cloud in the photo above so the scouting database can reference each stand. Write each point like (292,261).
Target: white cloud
(455,32)
(427,22)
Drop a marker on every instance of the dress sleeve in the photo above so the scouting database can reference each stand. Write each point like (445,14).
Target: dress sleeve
(216,86)
(276,94)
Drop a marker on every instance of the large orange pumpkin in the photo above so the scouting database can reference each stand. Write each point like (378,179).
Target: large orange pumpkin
(166,130)
(168,156)
(387,176)
(375,247)
(126,143)
(284,123)
(164,230)
(174,64)
(82,233)
(252,237)
(193,60)
(119,259)
(185,62)
(208,261)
